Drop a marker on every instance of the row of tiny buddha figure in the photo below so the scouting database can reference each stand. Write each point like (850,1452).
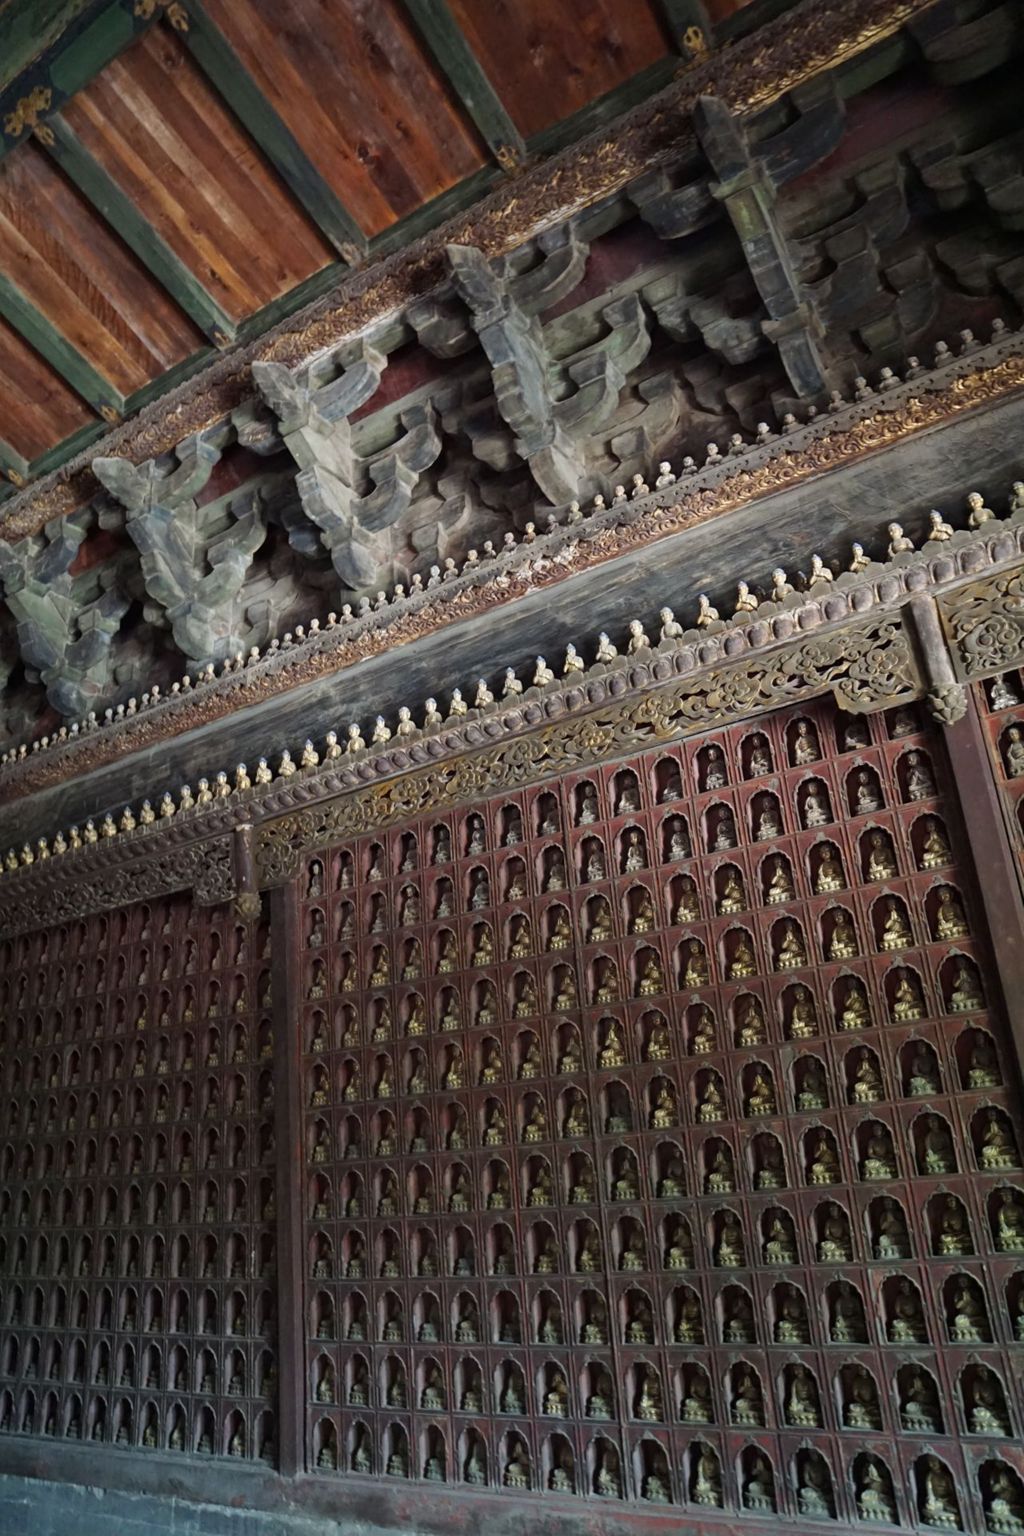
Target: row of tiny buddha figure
(957,1312)
(119,1421)
(152,1367)
(231,1255)
(704,1478)
(791,1394)
(821,868)
(754,1089)
(666,1171)
(134,1007)
(729,1239)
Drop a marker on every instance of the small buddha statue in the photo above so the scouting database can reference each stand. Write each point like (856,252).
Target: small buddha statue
(599,1402)
(814,1493)
(895,928)
(758,1486)
(652,978)
(866,1087)
(657,1046)
(965,996)
(843,943)
(879,1161)
(847,1324)
(556,1399)
(577,1120)
(649,1406)
(923,1078)
(634,856)
(953,1237)
(805,748)
(881,864)
(771,1169)
(983,1066)
(919,1405)
(561,1478)
(802,1406)
(747,1403)
(919,781)
(986,1405)
(695,973)
(813,1091)
(730,1250)
(751,1023)
(725,831)
(624,1184)
(866,796)
(761,1098)
(998,1148)
(935,850)
(803,1018)
(687,909)
(715,775)
(742,963)
(634,1256)
(938,1496)
(710,1103)
(1004,1506)
(908,1004)
(935,1151)
(830,872)
(496,1130)
(666,1111)
(892,1240)
(791,953)
(720,1178)
(779,1247)
(517,1468)
(860,1406)
(875,1502)
(791,1325)
(536,1127)
(678,839)
(607,1482)
(679,1249)
(593,1330)
(780,883)
(733,897)
(526,996)
(824,1165)
(817,810)
(695,1407)
(1010,1223)
(768,823)
(906,1321)
(834,1244)
(968,1323)
(690,1326)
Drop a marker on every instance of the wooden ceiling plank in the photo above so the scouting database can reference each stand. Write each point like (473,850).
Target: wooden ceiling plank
(450,47)
(65,359)
(120,212)
(225,71)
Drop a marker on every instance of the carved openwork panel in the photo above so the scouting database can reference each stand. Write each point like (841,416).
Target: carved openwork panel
(137,1263)
(658,1140)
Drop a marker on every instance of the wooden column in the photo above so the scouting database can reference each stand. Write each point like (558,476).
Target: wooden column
(289,1168)
(993,857)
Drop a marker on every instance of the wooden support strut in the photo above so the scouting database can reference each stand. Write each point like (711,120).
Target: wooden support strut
(289,1162)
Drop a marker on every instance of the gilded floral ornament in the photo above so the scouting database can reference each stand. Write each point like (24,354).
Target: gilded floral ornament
(28,111)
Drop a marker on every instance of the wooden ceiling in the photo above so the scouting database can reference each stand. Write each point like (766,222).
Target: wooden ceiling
(177,176)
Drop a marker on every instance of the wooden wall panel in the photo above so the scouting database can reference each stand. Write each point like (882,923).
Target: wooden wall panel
(39,410)
(160,130)
(66,261)
(546,61)
(362,96)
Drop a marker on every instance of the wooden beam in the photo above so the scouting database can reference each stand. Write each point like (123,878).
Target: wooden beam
(466,75)
(689,25)
(98,33)
(226,72)
(63,358)
(102,191)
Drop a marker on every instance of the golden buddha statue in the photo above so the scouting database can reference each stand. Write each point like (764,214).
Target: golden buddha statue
(711,1104)
(1010,1223)
(453,1078)
(730,1250)
(896,932)
(643,917)
(672,1185)
(803,1018)
(791,952)
(536,1127)
(657,1046)
(998,1148)
(965,996)
(866,1087)
(493,1069)
(571,1059)
(752,1027)
(703,1041)
(843,943)
(531,1065)
(983,1065)
(879,1161)
(690,1326)
(577,1120)
(908,1004)
(830,875)
(953,1238)
(561,932)
(526,996)
(761,1098)
(611,1053)
(696,972)
(935,850)
(855,1012)
(881,864)
(743,963)
(950,922)
(720,1178)
(824,1164)
(600,928)
(834,1244)
(665,1112)
(520,938)
(496,1129)
(805,747)
(652,978)
(688,906)
(780,884)
(733,897)
(565,997)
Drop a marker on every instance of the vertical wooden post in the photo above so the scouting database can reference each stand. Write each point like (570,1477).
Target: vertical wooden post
(289,1164)
(993,859)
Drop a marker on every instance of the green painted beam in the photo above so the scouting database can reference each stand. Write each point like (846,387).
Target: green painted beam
(101,30)
(448,43)
(226,72)
(63,358)
(102,191)
(17,469)
(29,28)
(689,25)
